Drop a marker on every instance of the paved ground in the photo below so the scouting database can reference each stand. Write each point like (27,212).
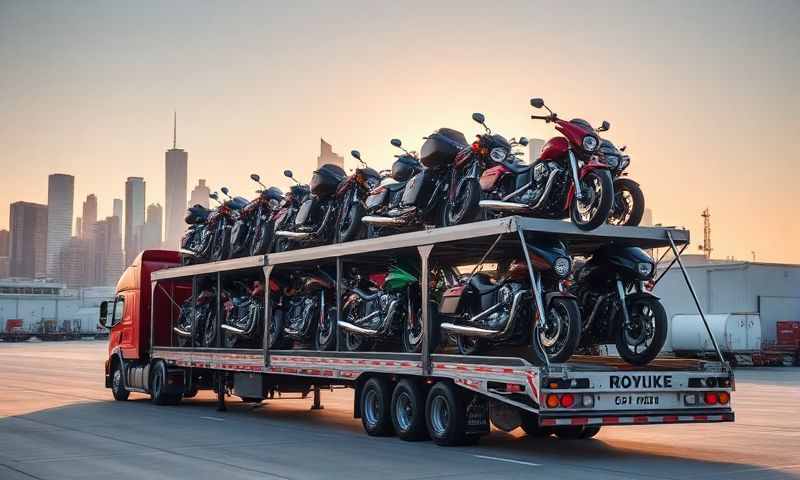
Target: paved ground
(58,422)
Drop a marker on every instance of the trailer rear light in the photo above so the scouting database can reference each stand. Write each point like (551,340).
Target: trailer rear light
(513,388)
(587,400)
(724,398)
(690,399)
(711,398)
(552,400)
(557,383)
(710,382)
(567,400)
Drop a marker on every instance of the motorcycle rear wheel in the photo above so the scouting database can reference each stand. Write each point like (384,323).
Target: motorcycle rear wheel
(464,208)
(628,207)
(471,345)
(350,226)
(598,190)
(325,337)
(357,343)
(262,237)
(220,245)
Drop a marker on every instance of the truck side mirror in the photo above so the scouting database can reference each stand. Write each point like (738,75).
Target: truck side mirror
(103,313)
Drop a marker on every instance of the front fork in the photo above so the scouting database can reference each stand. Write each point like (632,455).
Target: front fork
(573,164)
(621,293)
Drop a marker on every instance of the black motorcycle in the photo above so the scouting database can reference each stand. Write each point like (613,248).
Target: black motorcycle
(194,317)
(425,196)
(628,207)
(196,241)
(220,223)
(283,218)
(252,232)
(315,222)
(485,310)
(243,315)
(615,305)
(307,310)
(351,194)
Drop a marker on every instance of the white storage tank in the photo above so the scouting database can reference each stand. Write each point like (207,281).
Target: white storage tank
(734,332)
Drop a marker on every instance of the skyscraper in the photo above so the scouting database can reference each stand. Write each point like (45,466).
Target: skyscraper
(327,155)
(176,162)
(108,263)
(134,217)
(76,263)
(200,194)
(152,227)
(5,237)
(534,147)
(118,213)
(89,217)
(60,196)
(28,240)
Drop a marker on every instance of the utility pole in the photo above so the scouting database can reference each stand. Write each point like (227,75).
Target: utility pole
(706,246)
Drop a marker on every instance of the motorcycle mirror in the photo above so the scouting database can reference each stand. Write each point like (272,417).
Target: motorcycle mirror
(604,126)
(254,177)
(623,148)
(225,190)
(523,141)
(287,173)
(537,103)
(213,195)
(396,142)
(356,154)
(478,117)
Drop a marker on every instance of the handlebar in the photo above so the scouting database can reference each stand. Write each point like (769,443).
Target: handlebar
(546,118)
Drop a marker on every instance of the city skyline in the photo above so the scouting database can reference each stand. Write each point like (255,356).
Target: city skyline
(255,96)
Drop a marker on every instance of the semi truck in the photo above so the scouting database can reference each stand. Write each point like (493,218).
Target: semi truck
(436,394)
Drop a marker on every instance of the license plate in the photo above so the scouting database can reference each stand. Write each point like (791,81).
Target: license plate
(637,401)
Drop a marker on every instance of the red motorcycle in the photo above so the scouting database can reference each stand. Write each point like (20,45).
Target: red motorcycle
(547,187)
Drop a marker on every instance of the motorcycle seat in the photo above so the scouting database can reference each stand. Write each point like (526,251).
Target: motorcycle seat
(393,187)
(365,295)
(517,167)
(483,284)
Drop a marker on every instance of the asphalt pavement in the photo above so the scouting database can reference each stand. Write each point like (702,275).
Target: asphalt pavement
(57,421)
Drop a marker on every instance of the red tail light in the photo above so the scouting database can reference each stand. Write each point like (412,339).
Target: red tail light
(567,400)
(711,398)
(476,146)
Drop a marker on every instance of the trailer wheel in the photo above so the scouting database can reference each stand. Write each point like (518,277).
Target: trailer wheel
(446,416)
(408,411)
(117,387)
(530,424)
(157,382)
(376,400)
(590,431)
(572,432)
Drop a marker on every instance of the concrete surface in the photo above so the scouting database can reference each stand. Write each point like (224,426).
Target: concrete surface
(58,422)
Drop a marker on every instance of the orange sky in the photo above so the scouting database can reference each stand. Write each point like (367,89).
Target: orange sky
(704,95)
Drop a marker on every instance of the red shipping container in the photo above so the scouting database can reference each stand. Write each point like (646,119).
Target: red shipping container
(13,324)
(788,333)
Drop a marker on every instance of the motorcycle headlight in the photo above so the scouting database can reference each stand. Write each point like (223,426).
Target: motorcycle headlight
(589,143)
(645,268)
(626,160)
(498,154)
(612,161)
(562,266)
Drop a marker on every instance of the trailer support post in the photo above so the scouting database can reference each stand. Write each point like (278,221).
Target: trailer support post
(427,327)
(267,269)
(536,286)
(694,297)
(317,405)
(194,310)
(338,333)
(218,327)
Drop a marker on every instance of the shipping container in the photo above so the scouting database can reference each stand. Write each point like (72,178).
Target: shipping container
(734,332)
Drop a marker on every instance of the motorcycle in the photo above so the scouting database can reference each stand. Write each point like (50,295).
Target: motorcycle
(220,222)
(388,195)
(192,321)
(283,218)
(252,232)
(628,206)
(425,196)
(617,307)
(351,194)
(243,315)
(484,310)
(547,187)
(196,240)
(314,223)
(307,309)
(382,306)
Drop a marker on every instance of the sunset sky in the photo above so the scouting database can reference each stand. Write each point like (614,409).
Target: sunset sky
(705,94)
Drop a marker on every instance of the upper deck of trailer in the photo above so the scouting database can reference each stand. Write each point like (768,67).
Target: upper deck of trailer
(459,245)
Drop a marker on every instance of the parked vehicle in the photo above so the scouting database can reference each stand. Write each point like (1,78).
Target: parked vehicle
(243,315)
(252,232)
(315,221)
(547,188)
(284,216)
(308,310)
(351,194)
(426,193)
(382,306)
(387,197)
(196,241)
(485,310)
(629,204)
(220,222)
(193,318)
(615,305)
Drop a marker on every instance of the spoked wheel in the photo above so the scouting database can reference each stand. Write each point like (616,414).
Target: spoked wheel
(628,206)
(350,226)
(593,209)
(210,329)
(559,334)
(325,338)
(642,337)
(412,329)
(464,207)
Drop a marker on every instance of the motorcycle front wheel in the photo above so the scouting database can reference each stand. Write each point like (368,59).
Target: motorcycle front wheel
(356,343)
(350,226)
(210,329)
(628,206)
(412,328)
(561,331)
(262,237)
(464,208)
(593,209)
(220,244)
(325,337)
(641,339)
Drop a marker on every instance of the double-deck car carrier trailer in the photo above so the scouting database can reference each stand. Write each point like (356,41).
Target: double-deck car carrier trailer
(450,397)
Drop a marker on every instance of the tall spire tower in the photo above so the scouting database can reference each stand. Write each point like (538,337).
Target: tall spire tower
(176,163)
(174,129)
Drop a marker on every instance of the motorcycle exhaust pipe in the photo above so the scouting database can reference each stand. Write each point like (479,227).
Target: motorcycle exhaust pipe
(383,220)
(503,206)
(233,329)
(469,331)
(288,234)
(485,332)
(186,252)
(182,333)
(356,329)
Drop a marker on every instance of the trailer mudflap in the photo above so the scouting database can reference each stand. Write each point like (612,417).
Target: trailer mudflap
(477,415)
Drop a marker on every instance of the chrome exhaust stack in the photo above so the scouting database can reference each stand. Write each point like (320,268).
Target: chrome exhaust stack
(503,206)
(369,331)
(296,235)
(356,329)
(471,331)
(182,333)
(382,220)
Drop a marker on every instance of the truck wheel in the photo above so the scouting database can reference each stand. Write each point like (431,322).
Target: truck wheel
(446,416)
(572,432)
(530,424)
(408,411)
(158,381)
(590,431)
(117,387)
(376,400)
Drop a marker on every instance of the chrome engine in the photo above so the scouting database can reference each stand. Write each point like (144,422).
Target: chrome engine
(301,314)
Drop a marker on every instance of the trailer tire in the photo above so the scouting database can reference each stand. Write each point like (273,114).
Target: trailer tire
(530,425)
(572,432)
(158,379)
(117,383)
(375,402)
(446,416)
(408,411)
(590,431)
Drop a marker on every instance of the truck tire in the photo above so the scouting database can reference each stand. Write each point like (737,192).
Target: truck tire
(158,379)
(446,416)
(590,431)
(408,411)
(376,400)
(117,384)
(572,432)
(530,425)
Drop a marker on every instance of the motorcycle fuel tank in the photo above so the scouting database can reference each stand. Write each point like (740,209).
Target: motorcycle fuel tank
(555,149)
(419,189)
